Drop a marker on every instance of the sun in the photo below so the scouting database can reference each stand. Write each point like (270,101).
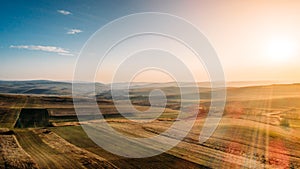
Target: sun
(281,49)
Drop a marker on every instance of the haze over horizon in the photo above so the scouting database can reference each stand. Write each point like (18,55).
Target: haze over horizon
(255,40)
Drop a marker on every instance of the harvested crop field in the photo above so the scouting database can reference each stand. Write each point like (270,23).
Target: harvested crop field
(84,157)
(44,155)
(13,155)
(258,130)
(75,133)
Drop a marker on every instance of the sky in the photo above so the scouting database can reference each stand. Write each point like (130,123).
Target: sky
(255,40)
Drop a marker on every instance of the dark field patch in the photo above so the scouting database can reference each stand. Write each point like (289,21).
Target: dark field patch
(33,118)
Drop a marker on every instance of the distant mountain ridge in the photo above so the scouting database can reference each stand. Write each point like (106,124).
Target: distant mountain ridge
(42,87)
(47,87)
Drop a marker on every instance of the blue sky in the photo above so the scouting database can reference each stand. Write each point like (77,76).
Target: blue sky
(35,22)
(33,32)
(40,39)
(45,22)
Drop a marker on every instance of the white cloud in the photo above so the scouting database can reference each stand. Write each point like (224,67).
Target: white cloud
(64,12)
(74,31)
(51,49)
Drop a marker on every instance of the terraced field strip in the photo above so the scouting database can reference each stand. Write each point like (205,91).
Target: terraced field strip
(12,154)
(76,136)
(230,144)
(9,113)
(8,117)
(191,151)
(42,154)
(86,158)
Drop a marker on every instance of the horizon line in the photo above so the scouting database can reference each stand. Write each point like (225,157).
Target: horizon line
(149,82)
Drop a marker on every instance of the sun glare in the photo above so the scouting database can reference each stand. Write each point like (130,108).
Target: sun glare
(281,49)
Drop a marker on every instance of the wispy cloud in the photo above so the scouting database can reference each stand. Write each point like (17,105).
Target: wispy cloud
(74,31)
(64,12)
(51,49)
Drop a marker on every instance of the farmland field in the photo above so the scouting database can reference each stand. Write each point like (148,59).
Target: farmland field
(260,128)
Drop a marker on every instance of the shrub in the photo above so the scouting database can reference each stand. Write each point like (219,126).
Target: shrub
(284,122)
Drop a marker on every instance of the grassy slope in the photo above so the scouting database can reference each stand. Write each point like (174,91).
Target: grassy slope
(76,136)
